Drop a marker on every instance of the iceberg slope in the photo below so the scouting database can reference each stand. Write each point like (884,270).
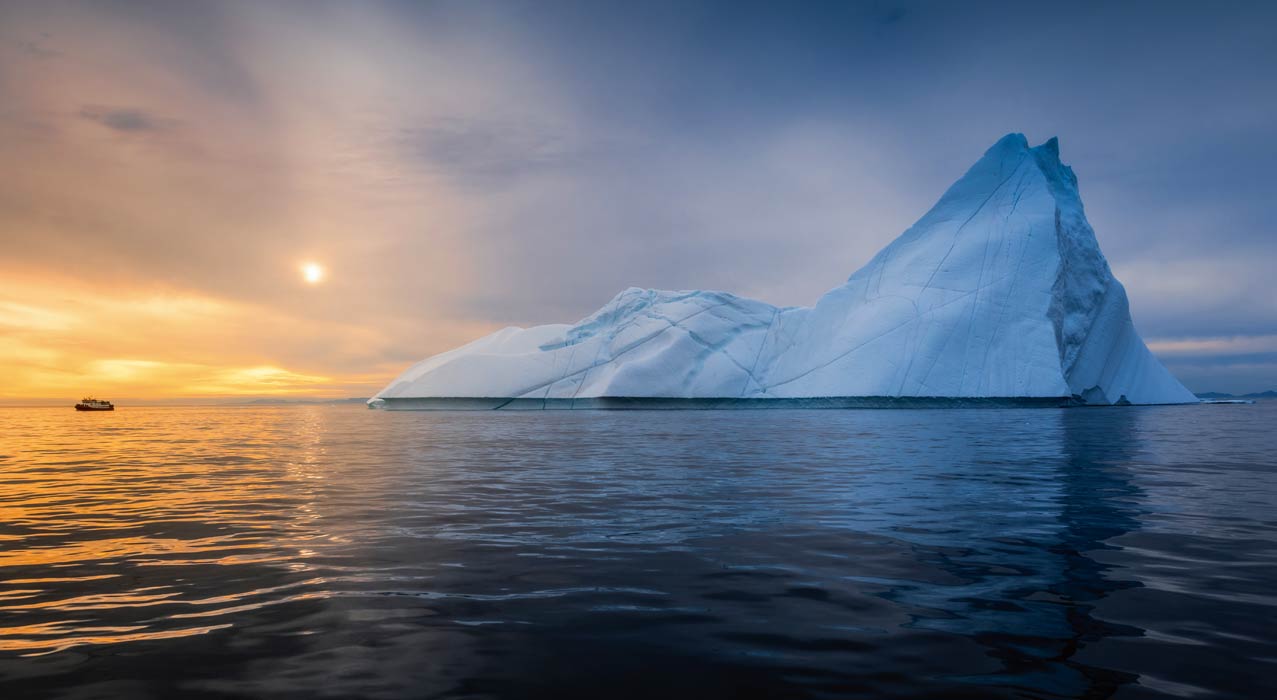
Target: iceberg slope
(999,291)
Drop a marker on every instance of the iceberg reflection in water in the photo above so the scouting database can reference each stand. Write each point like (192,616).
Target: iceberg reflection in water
(909,553)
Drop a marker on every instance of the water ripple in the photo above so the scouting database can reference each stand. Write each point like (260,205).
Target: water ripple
(311,550)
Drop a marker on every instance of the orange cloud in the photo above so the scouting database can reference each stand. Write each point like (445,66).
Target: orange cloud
(62,336)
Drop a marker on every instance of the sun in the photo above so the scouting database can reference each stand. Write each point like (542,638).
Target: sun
(312,272)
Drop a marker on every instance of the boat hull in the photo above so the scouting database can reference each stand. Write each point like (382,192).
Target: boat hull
(82,407)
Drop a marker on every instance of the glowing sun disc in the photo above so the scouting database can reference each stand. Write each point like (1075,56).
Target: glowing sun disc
(313,273)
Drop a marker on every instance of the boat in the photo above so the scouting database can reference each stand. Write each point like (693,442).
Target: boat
(91,404)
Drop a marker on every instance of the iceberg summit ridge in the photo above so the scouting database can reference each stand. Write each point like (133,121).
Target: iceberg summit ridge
(998,293)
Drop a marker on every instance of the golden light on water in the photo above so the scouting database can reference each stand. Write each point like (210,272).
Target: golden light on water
(312,272)
(45,606)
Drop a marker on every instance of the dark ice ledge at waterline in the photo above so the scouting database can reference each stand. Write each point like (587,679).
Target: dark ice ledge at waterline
(638,403)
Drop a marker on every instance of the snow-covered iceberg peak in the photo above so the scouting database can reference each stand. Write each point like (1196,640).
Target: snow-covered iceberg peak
(1000,291)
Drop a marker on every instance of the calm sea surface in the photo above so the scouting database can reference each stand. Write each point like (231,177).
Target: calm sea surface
(306,551)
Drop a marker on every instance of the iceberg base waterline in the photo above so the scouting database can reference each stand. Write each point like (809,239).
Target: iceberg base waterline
(640,403)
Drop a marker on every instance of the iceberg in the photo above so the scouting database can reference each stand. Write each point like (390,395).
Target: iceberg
(998,293)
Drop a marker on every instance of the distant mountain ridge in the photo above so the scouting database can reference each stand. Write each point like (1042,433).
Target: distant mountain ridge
(1220,395)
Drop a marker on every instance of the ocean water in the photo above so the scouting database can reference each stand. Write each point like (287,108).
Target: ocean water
(304,551)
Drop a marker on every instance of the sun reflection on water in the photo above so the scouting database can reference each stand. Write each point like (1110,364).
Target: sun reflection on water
(159,507)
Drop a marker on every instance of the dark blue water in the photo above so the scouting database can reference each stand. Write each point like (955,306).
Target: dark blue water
(332,551)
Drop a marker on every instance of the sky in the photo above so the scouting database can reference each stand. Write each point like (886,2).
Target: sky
(456,167)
